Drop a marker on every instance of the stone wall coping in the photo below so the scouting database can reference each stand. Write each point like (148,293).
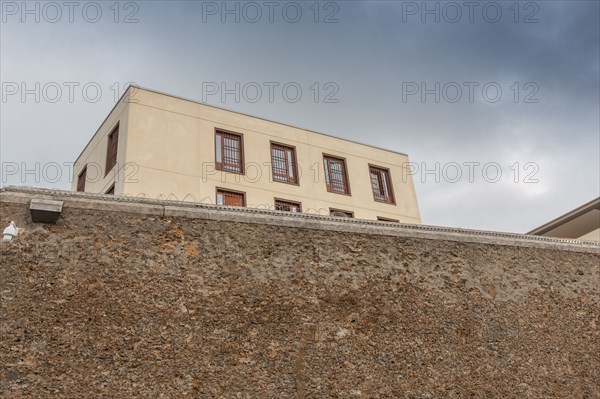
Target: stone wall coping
(169,208)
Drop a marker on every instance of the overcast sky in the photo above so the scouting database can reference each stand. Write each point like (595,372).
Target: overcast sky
(496,103)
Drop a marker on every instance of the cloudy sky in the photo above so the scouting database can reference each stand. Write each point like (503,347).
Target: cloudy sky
(496,103)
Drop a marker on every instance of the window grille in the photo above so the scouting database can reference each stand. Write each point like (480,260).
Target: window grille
(336,175)
(283,161)
(228,152)
(381,184)
(230,198)
(287,206)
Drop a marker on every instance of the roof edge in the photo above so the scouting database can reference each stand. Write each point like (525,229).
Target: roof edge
(567,217)
(102,123)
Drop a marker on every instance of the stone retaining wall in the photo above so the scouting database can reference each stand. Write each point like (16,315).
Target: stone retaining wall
(147,300)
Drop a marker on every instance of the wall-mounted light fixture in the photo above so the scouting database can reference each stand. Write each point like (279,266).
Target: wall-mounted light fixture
(10,232)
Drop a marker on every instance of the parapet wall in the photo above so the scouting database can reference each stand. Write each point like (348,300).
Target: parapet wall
(128,298)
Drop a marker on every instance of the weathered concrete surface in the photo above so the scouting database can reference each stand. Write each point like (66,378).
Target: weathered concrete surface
(110,304)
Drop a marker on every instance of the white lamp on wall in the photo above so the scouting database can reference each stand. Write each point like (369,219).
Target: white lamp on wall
(10,232)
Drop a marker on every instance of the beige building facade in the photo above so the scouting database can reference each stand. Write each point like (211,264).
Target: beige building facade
(160,146)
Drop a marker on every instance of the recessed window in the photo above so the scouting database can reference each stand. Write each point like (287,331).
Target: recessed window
(229,153)
(382,219)
(283,161)
(230,198)
(287,206)
(336,175)
(111,190)
(341,213)
(381,184)
(111,151)
(81,179)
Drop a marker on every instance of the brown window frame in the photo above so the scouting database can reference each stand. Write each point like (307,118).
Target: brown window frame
(287,179)
(222,166)
(349,214)
(382,219)
(112,149)
(81,177)
(227,190)
(383,198)
(281,201)
(111,190)
(344,171)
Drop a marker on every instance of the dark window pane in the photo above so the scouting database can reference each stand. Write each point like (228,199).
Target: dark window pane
(81,180)
(111,151)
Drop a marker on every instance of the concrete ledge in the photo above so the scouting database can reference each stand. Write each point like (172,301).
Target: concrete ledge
(102,202)
(131,207)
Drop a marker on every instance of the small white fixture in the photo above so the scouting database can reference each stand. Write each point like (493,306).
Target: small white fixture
(10,232)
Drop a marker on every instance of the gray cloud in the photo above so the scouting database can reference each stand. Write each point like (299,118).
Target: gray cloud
(370,54)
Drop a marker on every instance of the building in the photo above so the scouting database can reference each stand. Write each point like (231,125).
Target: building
(161,146)
(582,223)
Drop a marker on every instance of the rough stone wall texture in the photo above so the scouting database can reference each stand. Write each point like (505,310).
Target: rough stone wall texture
(128,305)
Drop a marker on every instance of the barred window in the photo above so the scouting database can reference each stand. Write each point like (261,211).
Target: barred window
(283,161)
(340,213)
(336,175)
(81,179)
(111,151)
(230,198)
(381,184)
(287,206)
(229,152)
